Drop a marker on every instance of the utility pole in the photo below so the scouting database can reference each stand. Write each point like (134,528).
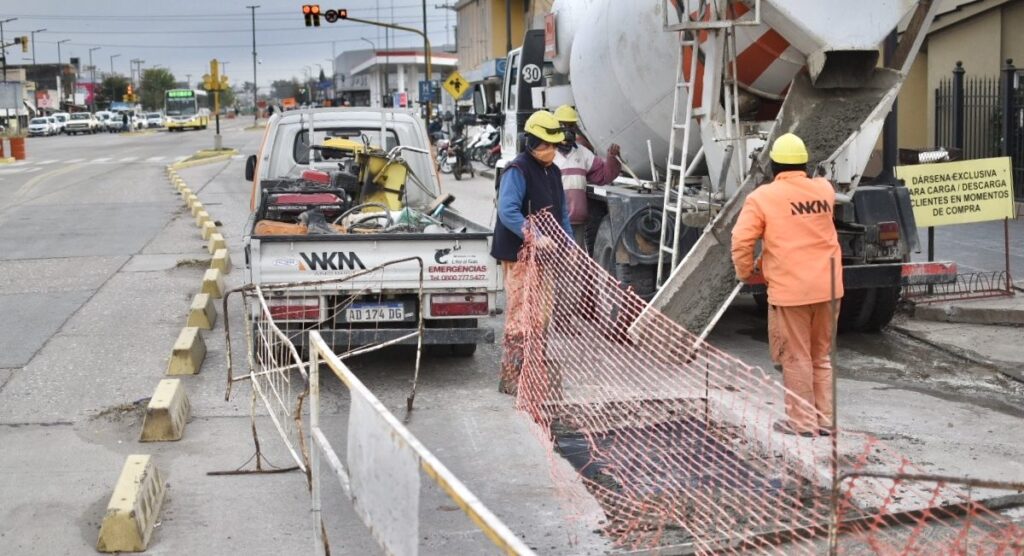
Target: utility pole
(508,25)
(112,91)
(112,56)
(3,45)
(92,68)
(60,73)
(137,69)
(33,33)
(188,80)
(426,57)
(255,109)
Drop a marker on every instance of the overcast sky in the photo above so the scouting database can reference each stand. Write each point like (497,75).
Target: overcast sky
(183,35)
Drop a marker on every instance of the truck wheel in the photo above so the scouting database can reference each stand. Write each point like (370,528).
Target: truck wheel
(886,302)
(857,307)
(641,278)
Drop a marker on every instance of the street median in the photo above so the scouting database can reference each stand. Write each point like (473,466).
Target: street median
(205,156)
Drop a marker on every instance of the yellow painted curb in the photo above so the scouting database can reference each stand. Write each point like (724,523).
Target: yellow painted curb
(166,413)
(226,155)
(191,200)
(213,283)
(216,242)
(188,353)
(208,229)
(134,507)
(196,207)
(185,192)
(202,217)
(221,261)
(202,313)
(7,160)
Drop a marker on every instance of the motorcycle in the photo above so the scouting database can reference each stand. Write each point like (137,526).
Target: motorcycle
(457,158)
(441,144)
(493,156)
(482,142)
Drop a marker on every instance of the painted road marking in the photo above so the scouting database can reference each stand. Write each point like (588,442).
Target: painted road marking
(100,160)
(75,160)
(154,159)
(128,159)
(45,162)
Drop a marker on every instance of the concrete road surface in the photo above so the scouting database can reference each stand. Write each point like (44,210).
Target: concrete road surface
(98,262)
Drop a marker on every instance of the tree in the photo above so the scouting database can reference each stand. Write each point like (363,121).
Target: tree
(155,82)
(113,88)
(285,88)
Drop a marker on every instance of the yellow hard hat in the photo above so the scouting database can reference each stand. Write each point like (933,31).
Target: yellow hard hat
(567,114)
(789,149)
(544,126)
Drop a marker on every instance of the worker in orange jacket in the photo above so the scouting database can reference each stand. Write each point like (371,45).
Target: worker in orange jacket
(792,216)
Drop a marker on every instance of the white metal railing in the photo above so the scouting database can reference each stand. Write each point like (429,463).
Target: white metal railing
(382,468)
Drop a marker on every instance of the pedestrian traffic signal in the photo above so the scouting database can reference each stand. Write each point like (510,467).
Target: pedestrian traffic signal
(312,14)
(24,44)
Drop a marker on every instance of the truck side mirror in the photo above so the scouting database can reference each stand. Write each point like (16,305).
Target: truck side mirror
(479,106)
(250,167)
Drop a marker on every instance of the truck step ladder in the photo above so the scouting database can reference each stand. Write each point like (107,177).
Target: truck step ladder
(678,154)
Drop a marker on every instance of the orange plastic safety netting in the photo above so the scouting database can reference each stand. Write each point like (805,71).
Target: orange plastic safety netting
(674,438)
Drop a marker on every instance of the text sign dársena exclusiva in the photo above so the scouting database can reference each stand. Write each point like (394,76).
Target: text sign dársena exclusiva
(960,192)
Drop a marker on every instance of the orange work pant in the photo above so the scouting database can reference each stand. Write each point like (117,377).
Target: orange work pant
(800,339)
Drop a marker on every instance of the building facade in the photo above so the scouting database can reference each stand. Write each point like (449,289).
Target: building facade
(376,77)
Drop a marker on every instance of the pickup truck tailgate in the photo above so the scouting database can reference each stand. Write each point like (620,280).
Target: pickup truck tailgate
(450,261)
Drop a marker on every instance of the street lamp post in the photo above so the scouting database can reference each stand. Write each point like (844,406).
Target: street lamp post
(112,56)
(92,68)
(33,33)
(255,109)
(380,85)
(334,93)
(60,73)
(3,48)
(112,91)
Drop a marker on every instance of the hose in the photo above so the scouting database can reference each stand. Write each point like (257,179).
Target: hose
(385,215)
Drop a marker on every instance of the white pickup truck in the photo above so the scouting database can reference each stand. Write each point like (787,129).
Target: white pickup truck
(460,280)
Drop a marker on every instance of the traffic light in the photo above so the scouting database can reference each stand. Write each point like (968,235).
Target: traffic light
(24,43)
(129,91)
(207,82)
(312,14)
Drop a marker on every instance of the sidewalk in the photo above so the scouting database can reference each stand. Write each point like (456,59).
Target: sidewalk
(988,331)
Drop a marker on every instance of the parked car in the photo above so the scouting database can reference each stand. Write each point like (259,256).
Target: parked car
(41,126)
(154,119)
(62,119)
(81,122)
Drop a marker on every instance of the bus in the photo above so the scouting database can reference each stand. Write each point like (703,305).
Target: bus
(186,108)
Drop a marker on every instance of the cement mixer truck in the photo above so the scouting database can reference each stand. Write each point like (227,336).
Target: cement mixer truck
(693,91)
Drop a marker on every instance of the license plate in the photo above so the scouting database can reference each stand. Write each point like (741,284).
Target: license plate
(375,312)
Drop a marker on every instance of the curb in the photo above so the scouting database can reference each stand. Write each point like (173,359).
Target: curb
(7,160)
(188,353)
(134,507)
(193,161)
(965,354)
(489,174)
(202,314)
(961,314)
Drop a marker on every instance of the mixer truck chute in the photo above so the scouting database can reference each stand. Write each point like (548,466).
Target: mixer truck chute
(656,77)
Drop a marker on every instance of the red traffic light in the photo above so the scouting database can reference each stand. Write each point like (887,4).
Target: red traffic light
(312,14)
(307,9)
(316,9)
(343,14)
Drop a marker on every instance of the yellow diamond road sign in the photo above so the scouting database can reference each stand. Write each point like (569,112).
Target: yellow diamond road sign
(456,85)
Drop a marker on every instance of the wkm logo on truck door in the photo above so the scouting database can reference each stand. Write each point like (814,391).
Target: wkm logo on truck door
(338,260)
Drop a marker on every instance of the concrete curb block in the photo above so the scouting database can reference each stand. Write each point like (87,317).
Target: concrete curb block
(188,353)
(221,261)
(202,313)
(191,200)
(208,229)
(185,192)
(216,242)
(213,283)
(962,314)
(202,217)
(133,508)
(208,160)
(167,412)
(196,207)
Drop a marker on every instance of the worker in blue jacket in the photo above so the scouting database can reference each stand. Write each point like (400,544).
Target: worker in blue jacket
(530,184)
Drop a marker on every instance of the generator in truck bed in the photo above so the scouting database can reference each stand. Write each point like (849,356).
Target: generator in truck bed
(331,208)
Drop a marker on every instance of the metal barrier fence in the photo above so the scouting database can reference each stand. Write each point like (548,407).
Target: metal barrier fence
(383,467)
(676,439)
(383,461)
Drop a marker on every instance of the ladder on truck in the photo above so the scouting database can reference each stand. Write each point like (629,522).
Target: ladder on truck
(679,164)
